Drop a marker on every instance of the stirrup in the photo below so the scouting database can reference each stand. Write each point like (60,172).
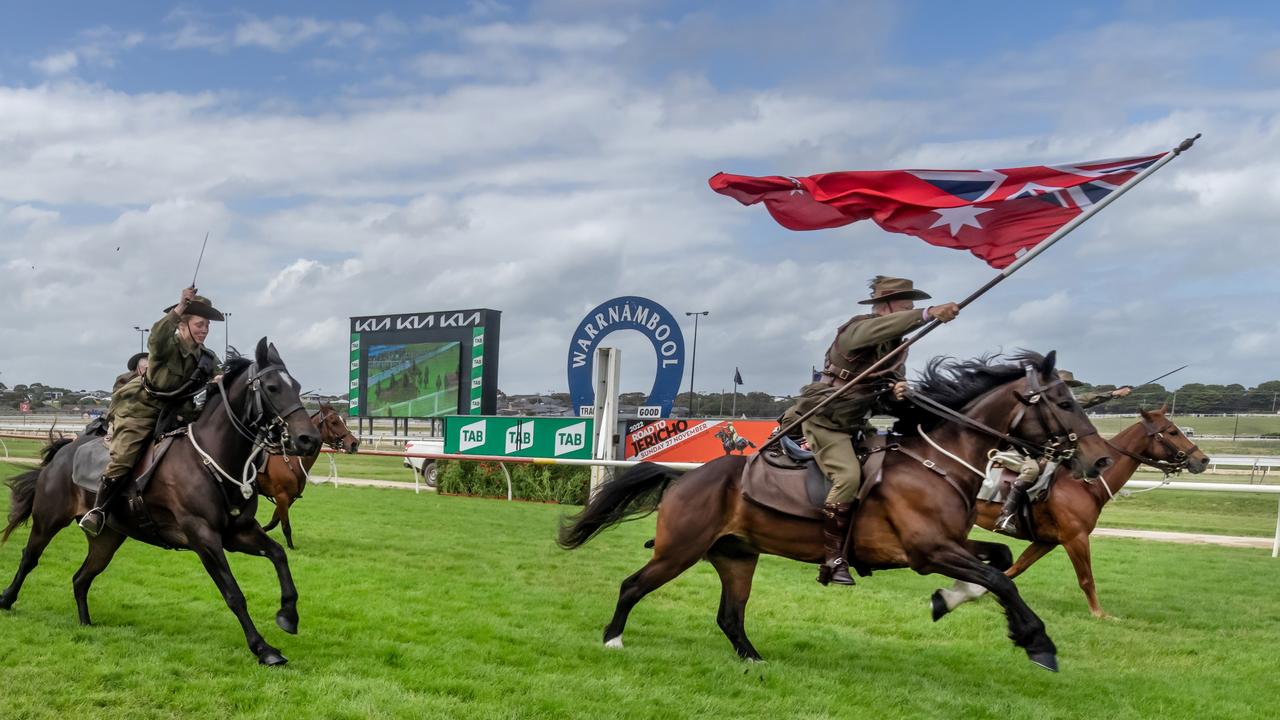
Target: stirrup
(90,527)
(1006,524)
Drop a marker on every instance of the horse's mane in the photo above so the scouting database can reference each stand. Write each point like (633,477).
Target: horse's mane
(955,383)
(231,369)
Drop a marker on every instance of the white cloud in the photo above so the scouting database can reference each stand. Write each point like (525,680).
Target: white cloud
(563,38)
(57,63)
(568,175)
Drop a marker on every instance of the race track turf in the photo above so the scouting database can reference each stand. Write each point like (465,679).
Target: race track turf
(425,606)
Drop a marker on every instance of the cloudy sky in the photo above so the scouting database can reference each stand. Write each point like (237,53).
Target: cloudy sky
(539,159)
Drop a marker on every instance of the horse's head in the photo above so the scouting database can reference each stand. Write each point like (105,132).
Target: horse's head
(333,431)
(1167,444)
(1050,418)
(273,403)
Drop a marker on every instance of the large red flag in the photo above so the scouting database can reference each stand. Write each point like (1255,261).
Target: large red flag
(995,214)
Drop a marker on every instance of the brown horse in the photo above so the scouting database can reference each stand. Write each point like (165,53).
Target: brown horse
(199,497)
(1070,513)
(284,477)
(915,518)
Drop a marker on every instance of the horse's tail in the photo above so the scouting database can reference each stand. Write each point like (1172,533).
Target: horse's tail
(22,488)
(22,495)
(630,496)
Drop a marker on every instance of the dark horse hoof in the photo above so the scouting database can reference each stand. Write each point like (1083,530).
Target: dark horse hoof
(272,657)
(1046,660)
(938,605)
(5,603)
(286,623)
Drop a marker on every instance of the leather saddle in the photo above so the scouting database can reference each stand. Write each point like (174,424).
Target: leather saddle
(788,480)
(91,460)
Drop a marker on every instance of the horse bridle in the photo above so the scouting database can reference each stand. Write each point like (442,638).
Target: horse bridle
(334,444)
(1182,458)
(268,437)
(1058,446)
(275,434)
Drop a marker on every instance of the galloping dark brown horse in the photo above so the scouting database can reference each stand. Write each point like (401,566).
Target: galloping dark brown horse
(912,519)
(1070,513)
(194,498)
(285,476)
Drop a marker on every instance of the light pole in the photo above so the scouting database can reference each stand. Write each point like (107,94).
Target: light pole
(226,334)
(693,366)
(142,337)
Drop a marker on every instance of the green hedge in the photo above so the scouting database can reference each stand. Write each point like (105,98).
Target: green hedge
(542,483)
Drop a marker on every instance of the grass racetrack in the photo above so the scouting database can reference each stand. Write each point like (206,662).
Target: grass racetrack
(425,606)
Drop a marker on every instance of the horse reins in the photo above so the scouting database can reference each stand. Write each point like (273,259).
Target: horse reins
(1053,447)
(255,412)
(1182,458)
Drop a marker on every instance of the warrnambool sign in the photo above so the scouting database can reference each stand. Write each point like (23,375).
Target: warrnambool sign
(628,313)
(550,437)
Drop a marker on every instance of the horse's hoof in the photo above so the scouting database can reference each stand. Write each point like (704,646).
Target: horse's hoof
(1046,660)
(5,603)
(614,643)
(286,623)
(272,658)
(938,606)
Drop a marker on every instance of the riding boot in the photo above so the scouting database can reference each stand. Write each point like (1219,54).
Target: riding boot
(94,520)
(835,529)
(1007,523)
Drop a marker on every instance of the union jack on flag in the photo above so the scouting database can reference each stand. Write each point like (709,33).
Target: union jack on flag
(995,214)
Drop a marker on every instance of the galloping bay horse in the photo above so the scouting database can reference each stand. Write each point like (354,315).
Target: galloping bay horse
(199,497)
(915,518)
(1070,513)
(284,477)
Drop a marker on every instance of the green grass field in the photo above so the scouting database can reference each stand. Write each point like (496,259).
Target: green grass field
(423,606)
(1249,425)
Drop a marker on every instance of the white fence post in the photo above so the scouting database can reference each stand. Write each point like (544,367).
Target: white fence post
(1275,544)
(608,365)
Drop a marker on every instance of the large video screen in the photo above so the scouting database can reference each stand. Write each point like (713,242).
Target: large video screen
(422,365)
(413,379)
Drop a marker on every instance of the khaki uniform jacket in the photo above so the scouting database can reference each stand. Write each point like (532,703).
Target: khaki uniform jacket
(859,343)
(1093,399)
(171,361)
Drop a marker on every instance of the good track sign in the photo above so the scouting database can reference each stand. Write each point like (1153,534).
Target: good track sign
(628,313)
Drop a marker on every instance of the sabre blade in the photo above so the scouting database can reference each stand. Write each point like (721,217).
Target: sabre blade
(199,259)
(1161,377)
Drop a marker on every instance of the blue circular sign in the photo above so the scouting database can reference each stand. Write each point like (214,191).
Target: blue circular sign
(628,313)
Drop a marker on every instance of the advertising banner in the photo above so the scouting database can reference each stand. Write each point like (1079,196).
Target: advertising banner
(541,437)
(681,440)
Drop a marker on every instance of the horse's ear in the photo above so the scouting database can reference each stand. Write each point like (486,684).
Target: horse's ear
(1145,413)
(1164,409)
(260,354)
(1050,361)
(274,355)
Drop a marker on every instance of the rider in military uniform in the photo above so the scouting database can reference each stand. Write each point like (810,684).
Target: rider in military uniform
(137,365)
(1028,469)
(179,367)
(859,343)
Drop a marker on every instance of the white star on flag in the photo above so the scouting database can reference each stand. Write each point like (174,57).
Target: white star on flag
(958,217)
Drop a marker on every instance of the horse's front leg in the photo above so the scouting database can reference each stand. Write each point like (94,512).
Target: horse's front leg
(253,540)
(208,545)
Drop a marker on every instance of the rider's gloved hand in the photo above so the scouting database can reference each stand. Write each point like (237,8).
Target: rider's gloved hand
(945,313)
(900,389)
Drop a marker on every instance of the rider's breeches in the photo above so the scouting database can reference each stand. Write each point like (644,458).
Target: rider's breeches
(834,452)
(128,441)
(1028,469)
